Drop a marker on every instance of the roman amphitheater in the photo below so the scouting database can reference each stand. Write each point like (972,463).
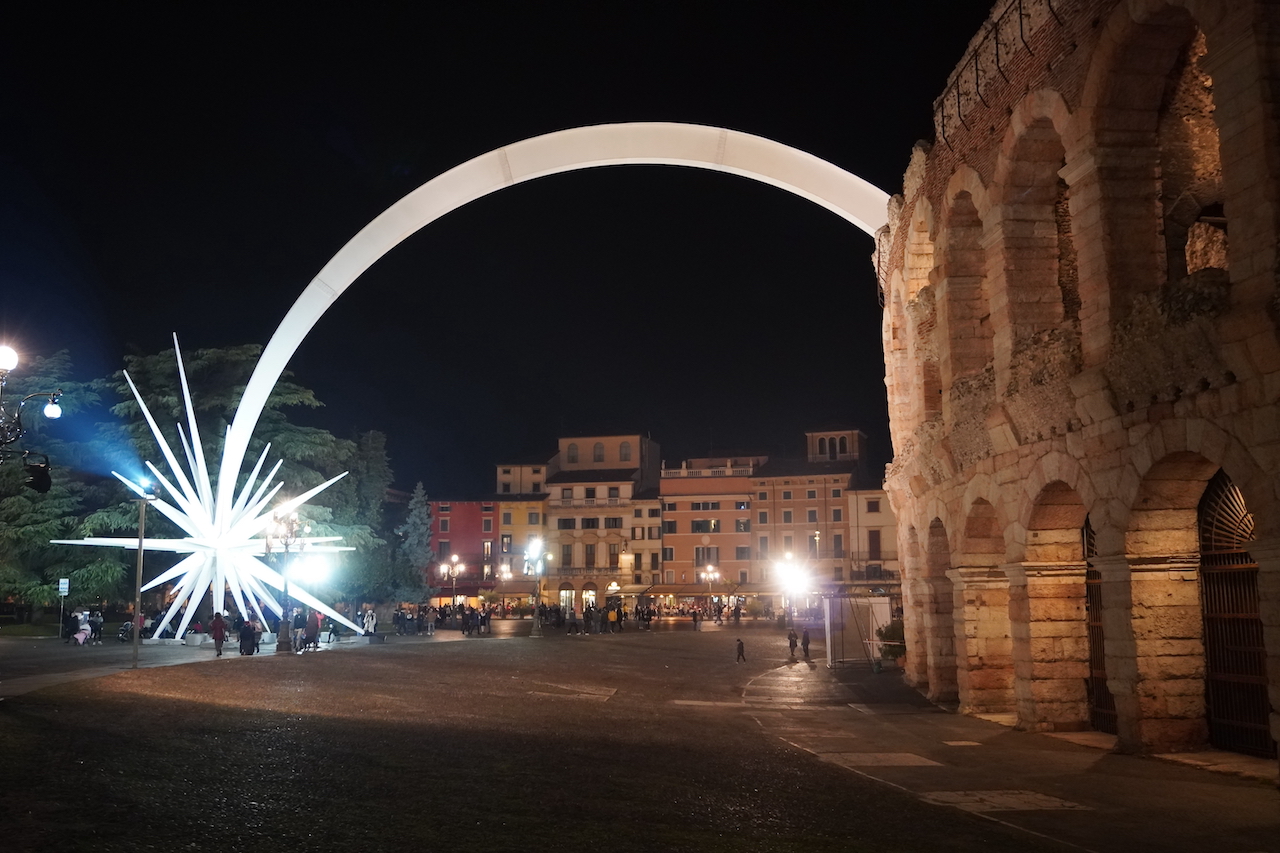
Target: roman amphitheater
(1082,350)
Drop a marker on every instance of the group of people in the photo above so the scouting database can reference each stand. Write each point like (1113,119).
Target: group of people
(804,641)
(83,627)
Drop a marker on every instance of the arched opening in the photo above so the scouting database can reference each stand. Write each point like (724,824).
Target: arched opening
(1035,301)
(1236,702)
(921,305)
(939,608)
(571,453)
(822,447)
(597,452)
(984,661)
(566,598)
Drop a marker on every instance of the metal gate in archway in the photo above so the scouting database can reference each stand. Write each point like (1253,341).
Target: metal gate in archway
(1236,703)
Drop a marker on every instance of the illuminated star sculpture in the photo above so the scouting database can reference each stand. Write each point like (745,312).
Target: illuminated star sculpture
(223,546)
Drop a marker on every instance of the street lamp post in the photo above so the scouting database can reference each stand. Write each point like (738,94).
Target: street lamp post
(285,533)
(11,428)
(137,587)
(535,555)
(710,574)
(452,569)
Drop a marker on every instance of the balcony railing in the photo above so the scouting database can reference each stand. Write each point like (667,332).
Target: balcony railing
(594,502)
(738,471)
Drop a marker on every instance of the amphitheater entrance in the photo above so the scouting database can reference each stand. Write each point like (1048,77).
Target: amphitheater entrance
(1236,702)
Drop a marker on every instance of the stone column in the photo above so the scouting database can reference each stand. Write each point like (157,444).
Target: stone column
(916,669)
(1155,650)
(984,659)
(940,639)
(1050,645)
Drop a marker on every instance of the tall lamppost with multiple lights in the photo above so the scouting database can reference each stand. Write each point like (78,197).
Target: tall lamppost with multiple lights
(534,560)
(794,580)
(452,569)
(11,428)
(710,574)
(287,535)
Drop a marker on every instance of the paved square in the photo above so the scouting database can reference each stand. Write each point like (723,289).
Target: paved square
(878,759)
(1000,801)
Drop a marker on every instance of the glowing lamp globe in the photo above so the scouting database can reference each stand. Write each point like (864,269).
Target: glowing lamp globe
(8,358)
(52,410)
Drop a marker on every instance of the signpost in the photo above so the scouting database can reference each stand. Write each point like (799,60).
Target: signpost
(64,587)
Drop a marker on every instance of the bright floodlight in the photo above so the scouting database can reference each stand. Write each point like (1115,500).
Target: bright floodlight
(8,358)
(52,410)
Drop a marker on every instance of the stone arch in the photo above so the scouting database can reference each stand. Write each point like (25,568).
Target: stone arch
(1052,473)
(896,342)
(938,608)
(920,305)
(649,143)
(983,543)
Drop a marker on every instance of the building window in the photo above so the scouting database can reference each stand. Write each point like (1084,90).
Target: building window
(637,513)
(671,575)
(535,518)
(506,470)
(835,493)
(445,507)
(487,548)
(669,526)
(873,506)
(653,564)
(786,495)
(624,452)
(813,545)
(444,549)
(504,542)
(566,523)
(506,488)
(742,525)
(837,573)
(590,493)
(506,518)
(566,555)
(589,555)
(668,554)
(590,524)
(762,517)
(788,543)
(614,492)
(597,452)
(706,556)
(613,524)
(486,525)
(812,516)
(637,533)
(764,546)
(486,508)
(811,494)
(444,525)
(655,513)
(571,454)
(764,496)
(655,532)
(837,514)
(742,575)
(873,545)
(537,487)
(786,516)
(742,504)
(704,506)
(705,525)
(742,552)
(613,555)
(537,470)
(837,545)
(671,507)
(566,494)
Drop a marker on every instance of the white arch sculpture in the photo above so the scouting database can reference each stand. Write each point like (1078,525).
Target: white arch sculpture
(640,143)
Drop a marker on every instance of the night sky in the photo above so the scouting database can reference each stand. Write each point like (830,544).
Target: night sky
(190,168)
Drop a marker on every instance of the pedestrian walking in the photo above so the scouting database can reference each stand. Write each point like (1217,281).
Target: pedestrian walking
(218,630)
(791,641)
(246,637)
(804,642)
(742,655)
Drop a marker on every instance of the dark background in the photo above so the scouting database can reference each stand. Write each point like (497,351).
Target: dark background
(190,169)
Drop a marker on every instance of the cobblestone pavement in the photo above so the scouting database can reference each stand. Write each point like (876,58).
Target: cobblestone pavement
(648,741)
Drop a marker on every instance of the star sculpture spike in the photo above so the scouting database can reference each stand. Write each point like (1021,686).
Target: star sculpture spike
(224,549)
